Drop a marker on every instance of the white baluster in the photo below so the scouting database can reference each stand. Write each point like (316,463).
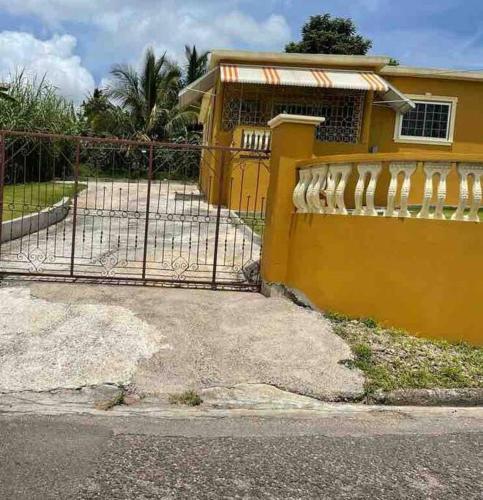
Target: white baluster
(295,196)
(307,175)
(431,169)
(392,191)
(299,197)
(330,192)
(441,194)
(463,173)
(428,195)
(314,202)
(408,170)
(244,139)
(339,174)
(365,169)
(477,196)
(359,192)
(309,195)
(395,169)
(476,171)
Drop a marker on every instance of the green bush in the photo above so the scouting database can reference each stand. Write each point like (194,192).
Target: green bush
(35,106)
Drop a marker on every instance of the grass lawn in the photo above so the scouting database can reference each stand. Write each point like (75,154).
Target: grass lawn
(392,359)
(253,220)
(23,199)
(448,211)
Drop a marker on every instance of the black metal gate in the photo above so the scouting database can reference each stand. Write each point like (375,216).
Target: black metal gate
(111,210)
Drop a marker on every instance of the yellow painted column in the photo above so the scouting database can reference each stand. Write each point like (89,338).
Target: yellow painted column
(293,139)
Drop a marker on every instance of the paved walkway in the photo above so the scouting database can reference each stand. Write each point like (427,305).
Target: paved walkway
(110,236)
(165,341)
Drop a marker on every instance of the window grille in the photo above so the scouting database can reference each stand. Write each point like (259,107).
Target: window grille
(342,109)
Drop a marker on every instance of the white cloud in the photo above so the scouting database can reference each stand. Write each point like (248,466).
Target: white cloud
(273,31)
(118,31)
(170,22)
(53,58)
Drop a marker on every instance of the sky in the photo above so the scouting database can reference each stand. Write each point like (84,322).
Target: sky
(76,42)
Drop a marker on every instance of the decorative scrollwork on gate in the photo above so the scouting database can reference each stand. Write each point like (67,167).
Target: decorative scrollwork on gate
(36,259)
(110,262)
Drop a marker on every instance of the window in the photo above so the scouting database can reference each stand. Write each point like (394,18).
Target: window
(342,109)
(431,122)
(342,113)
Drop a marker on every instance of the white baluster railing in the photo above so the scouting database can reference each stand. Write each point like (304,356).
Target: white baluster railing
(256,139)
(322,189)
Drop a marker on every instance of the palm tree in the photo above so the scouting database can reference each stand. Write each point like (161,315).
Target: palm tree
(104,118)
(196,64)
(151,97)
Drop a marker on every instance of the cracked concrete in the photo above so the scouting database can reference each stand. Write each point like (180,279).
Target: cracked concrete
(55,336)
(46,345)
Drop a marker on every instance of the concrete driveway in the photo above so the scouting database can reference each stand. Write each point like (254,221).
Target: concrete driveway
(161,341)
(110,236)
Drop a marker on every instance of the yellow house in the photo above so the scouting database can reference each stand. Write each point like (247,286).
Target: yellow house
(368,105)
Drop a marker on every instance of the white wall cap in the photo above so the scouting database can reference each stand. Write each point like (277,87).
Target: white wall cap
(303,120)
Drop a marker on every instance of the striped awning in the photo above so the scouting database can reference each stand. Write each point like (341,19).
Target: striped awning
(297,77)
(303,77)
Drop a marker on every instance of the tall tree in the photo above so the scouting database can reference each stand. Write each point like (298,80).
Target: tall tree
(326,35)
(196,64)
(105,118)
(151,97)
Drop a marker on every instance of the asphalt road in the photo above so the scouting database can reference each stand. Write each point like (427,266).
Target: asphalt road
(360,455)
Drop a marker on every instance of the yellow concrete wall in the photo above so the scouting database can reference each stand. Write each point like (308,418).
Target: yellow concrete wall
(213,157)
(290,141)
(247,177)
(468,136)
(423,276)
(247,183)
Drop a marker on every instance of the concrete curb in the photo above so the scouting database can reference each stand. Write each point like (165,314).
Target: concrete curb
(31,223)
(429,397)
(112,400)
(247,231)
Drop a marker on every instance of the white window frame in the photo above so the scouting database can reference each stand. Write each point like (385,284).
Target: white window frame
(429,99)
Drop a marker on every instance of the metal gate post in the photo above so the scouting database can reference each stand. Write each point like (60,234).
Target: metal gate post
(74,216)
(218,216)
(2,182)
(148,206)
